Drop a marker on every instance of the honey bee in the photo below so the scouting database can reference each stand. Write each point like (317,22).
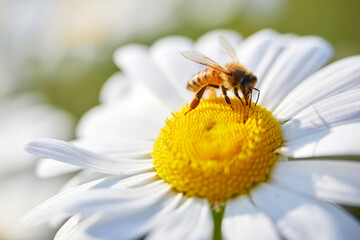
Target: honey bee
(233,76)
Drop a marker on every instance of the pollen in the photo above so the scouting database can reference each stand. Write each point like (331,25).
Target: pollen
(216,152)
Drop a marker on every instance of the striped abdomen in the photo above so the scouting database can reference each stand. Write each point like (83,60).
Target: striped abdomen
(206,76)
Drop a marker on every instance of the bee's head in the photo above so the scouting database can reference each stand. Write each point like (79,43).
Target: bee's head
(247,83)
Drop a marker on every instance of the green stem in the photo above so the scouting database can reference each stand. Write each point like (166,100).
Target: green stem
(217,216)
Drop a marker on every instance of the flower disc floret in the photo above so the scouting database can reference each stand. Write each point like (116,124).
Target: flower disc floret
(216,152)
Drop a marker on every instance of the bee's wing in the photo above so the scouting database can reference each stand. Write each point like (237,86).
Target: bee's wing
(228,49)
(198,57)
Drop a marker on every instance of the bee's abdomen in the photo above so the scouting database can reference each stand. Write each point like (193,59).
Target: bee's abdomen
(206,76)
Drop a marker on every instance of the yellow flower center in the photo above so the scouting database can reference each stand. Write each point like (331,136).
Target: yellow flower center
(216,152)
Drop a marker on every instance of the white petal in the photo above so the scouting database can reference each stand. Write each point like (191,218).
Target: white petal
(259,51)
(114,225)
(178,70)
(115,145)
(140,118)
(119,88)
(209,44)
(50,168)
(136,63)
(337,181)
(192,220)
(69,227)
(68,153)
(301,58)
(99,195)
(82,177)
(115,88)
(43,212)
(336,141)
(341,109)
(243,220)
(333,79)
(127,201)
(300,217)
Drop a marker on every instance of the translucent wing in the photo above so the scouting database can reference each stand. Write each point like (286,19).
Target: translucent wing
(228,49)
(198,57)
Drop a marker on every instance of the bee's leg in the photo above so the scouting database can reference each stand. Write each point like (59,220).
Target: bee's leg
(237,95)
(258,95)
(195,102)
(250,99)
(227,99)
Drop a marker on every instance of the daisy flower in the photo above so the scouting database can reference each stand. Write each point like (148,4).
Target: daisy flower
(280,174)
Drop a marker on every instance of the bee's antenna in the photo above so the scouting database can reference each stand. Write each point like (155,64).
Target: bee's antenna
(258,95)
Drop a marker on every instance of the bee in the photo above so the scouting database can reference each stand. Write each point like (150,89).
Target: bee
(233,76)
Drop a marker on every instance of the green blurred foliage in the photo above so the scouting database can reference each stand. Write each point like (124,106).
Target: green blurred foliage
(75,86)
(338,21)
(335,20)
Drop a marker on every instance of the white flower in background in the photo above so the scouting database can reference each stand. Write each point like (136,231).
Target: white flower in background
(24,116)
(50,30)
(275,177)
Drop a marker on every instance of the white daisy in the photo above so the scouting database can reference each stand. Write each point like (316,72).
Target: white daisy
(273,173)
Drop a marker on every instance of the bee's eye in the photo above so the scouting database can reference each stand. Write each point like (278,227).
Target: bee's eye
(243,81)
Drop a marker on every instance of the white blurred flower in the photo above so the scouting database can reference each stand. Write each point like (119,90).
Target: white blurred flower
(50,30)
(24,116)
(319,117)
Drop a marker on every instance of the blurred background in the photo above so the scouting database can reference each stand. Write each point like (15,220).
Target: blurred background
(55,55)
